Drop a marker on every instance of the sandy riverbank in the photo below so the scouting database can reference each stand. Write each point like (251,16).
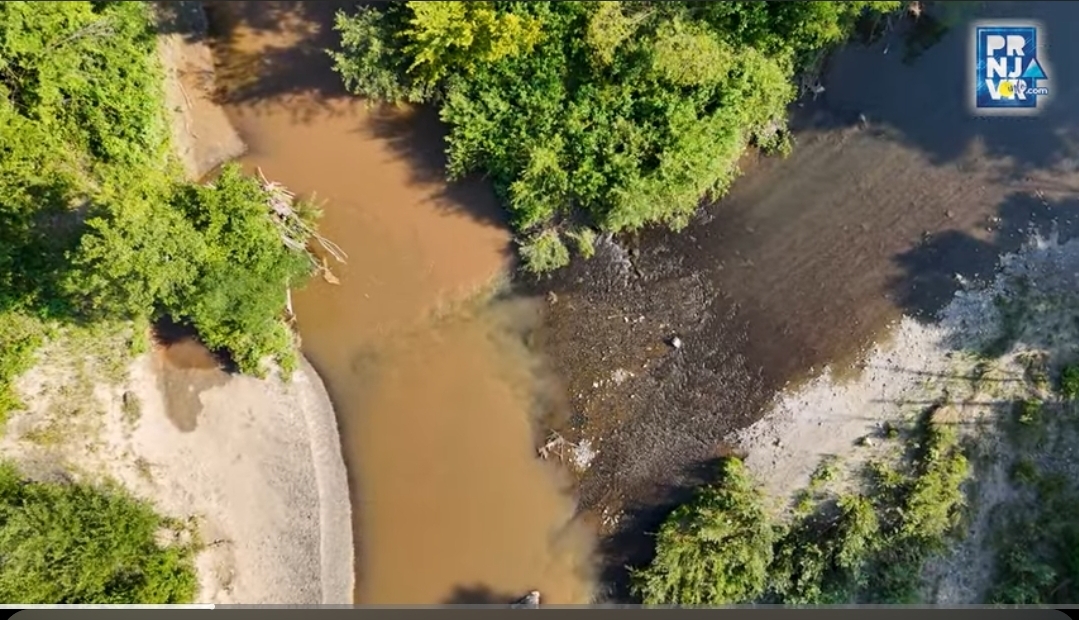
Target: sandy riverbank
(256,464)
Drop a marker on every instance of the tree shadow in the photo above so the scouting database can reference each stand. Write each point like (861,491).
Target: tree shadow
(419,136)
(923,101)
(273,51)
(928,281)
(292,65)
(168,332)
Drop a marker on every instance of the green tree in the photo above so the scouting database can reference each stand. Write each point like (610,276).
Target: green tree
(454,36)
(715,550)
(615,115)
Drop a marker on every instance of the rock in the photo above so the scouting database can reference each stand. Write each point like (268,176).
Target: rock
(530,601)
(676,342)
(866,441)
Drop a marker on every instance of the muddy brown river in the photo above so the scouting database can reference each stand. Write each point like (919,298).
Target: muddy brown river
(435,395)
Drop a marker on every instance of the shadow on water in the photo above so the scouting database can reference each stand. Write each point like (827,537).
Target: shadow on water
(929,270)
(419,136)
(184,348)
(292,62)
(479,595)
(292,65)
(922,98)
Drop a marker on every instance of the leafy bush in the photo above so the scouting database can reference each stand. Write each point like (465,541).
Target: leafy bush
(724,548)
(544,252)
(76,544)
(95,223)
(1069,382)
(714,551)
(206,254)
(20,336)
(631,113)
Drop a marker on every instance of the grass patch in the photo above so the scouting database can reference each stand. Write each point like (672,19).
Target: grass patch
(868,546)
(585,241)
(79,544)
(20,337)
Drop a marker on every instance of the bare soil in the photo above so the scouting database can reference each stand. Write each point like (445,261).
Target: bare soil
(202,135)
(893,189)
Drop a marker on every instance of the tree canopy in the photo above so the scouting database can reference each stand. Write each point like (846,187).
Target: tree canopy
(610,115)
(96,221)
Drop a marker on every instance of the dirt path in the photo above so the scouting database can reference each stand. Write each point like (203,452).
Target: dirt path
(805,263)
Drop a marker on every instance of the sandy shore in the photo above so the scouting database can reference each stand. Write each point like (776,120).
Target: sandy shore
(256,463)
(202,135)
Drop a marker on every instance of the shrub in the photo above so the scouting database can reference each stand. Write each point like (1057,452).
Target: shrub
(724,548)
(77,544)
(544,252)
(1069,382)
(95,221)
(713,551)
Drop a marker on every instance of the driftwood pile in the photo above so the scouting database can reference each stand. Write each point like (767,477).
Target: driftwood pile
(297,234)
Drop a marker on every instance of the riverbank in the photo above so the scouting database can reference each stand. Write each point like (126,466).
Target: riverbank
(888,194)
(252,468)
(941,473)
(310,479)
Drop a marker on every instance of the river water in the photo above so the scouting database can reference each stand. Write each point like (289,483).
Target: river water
(435,395)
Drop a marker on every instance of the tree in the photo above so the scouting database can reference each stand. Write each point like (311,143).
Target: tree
(715,550)
(614,115)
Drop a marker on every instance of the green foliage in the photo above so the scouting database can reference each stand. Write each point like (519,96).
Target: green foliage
(76,544)
(95,224)
(723,548)
(208,255)
(544,252)
(372,62)
(20,336)
(1069,382)
(632,112)
(714,551)
(453,37)
(585,240)
(1037,551)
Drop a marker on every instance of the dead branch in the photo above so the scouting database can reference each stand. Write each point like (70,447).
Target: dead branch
(556,444)
(296,234)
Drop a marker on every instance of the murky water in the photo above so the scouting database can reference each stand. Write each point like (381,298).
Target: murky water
(435,408)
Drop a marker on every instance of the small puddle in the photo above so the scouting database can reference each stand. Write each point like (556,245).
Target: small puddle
(186,369)
(436,399)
